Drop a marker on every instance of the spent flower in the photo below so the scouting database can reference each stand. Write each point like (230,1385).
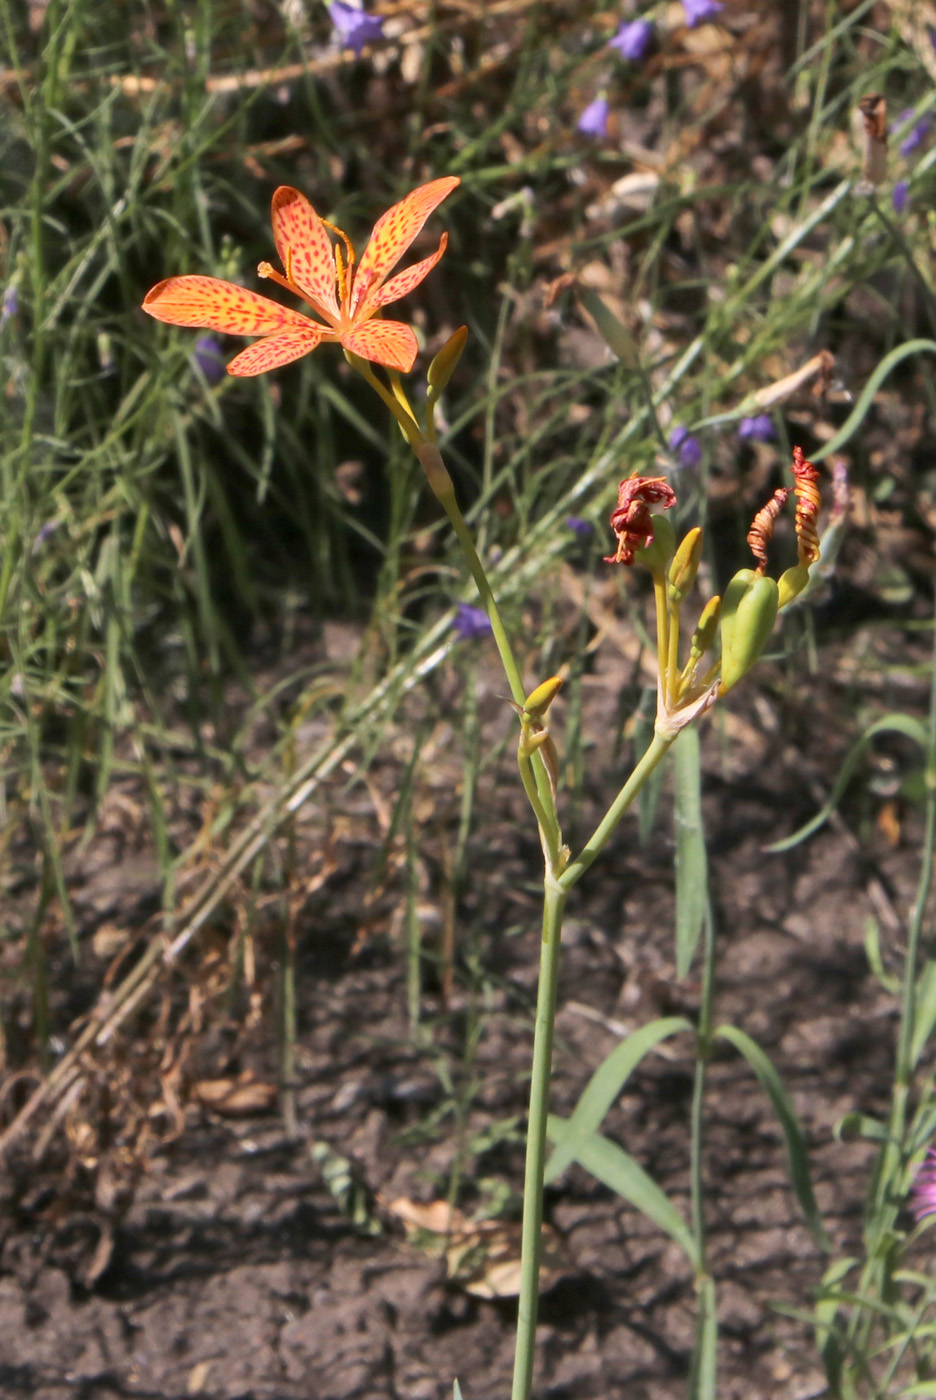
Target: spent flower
(348,298)
(901,196)
(631,519)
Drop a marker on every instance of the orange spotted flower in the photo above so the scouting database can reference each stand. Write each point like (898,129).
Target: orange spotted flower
(348,298)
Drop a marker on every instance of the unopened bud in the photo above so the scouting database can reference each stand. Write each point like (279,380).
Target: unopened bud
(793,582)
(751,625)
(685,565)
(443,366)
(540,699)
(704,634)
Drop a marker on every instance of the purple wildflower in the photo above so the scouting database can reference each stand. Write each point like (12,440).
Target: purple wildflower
(471,623)
(633,40)
(923,1190)
(10,304)
(354,26)
(699,11)
(44,533)
(901,196)
(682,441)
(916,135)
(579,526)
(594,119)
(207,355)
(760,428)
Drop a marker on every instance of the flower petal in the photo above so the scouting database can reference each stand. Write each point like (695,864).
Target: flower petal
(404,281)
(388,343)
(393,233)
(305,249)
(218,306)
(275,350)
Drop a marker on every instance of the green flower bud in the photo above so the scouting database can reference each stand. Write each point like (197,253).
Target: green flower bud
(751,625)
(704,634)
(685,565)
(443,366)
(540,699)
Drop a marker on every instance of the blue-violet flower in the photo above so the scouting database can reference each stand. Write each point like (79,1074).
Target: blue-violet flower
(594,119)
(682,441)
(354,26)
(698,11)
(470,622)
(633,40)
(760,428)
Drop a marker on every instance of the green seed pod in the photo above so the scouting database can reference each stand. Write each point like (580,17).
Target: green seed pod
(735,591)
(793,582)
(443,366)
(657,556)
(754,618)
(685,565)
(539,700)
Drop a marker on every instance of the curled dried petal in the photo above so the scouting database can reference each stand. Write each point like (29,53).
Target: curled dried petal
(761,531)
(631,519)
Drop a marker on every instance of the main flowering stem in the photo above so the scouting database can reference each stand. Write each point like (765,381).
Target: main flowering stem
(531,1230)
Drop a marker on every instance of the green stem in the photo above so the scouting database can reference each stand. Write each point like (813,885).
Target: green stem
(443,488)
(531,1239)
(703,1049)
(603,832)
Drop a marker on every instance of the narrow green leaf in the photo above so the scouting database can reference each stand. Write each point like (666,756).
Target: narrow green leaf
(618,1170)
(795,1141)
(612,331)
(861,1125)
(925,1018)
(604,1088)
(827,1306)
(857,416)
(692,897)
(872,942)
(894,723)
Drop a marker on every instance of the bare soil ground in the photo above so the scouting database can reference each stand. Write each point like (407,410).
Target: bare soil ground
(166,1237)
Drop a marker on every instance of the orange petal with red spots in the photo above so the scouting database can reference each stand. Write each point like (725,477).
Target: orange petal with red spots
(276,350)
(388,343)
(404,281)
(393,233)
(218,306)
(305,249)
